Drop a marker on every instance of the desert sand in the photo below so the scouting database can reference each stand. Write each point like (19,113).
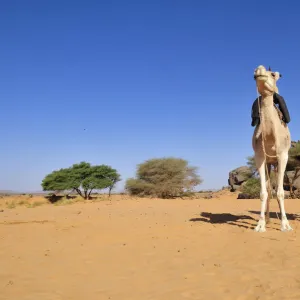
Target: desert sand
(142,249)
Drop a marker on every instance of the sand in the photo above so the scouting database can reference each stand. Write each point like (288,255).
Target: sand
(141,249)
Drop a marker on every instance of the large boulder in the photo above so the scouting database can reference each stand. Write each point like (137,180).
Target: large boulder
(244,196)
(238,176)
(296,184)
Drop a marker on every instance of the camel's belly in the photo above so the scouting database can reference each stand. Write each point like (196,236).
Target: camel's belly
(271,146)
(269,142)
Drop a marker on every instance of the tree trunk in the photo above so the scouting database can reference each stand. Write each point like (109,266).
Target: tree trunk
(79,192)
(89,195)
(109,190)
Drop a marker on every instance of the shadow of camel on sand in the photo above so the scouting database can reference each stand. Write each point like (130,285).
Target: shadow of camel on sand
(274,215)
(226,218)
(239,220)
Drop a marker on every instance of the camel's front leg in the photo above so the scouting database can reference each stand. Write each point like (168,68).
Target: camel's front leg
(282,161)
(260,163)
(269,189)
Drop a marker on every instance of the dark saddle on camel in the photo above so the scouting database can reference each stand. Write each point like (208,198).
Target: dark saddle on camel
(281,109)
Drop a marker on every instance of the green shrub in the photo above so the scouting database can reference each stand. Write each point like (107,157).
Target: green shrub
(163,178)
(252,188)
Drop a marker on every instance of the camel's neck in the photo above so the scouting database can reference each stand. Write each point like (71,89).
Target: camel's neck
(269,114)
(267,101)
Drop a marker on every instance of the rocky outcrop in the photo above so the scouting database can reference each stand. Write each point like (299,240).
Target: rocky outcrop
(238,176)
(294,143)
(296,183)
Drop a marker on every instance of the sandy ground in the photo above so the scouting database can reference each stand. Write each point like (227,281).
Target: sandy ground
(142,249)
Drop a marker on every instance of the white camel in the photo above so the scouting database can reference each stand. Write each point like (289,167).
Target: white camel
(271,143)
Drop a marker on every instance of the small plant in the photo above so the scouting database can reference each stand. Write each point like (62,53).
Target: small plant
(22,202)
(189,194)
(34,204)
(10,205)
(65,201)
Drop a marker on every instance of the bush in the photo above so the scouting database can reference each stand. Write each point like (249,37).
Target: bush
(163,178)
(139,187)
(252,188)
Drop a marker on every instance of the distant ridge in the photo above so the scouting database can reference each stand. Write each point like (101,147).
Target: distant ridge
(9,192)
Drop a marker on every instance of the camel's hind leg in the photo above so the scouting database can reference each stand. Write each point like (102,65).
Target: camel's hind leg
(282,161)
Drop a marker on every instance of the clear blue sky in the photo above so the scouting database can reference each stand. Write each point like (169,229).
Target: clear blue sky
(143,78)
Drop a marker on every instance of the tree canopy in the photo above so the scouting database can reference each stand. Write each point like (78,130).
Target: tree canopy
(82,178)
(164,178)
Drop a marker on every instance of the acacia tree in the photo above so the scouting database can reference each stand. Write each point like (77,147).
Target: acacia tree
(164,178)
(82,178)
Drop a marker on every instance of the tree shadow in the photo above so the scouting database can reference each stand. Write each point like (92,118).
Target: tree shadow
(53,198)
(225,218)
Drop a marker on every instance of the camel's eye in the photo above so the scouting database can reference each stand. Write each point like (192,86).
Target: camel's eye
(273,75)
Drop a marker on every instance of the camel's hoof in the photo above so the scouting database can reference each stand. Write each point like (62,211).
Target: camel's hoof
(285,226)
(261,226)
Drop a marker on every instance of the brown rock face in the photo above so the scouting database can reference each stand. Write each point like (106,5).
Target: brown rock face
(238,176)
(296,184)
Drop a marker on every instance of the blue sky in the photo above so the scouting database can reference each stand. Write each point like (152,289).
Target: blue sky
(119,82)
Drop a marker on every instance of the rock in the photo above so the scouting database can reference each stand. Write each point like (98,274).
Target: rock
(296,184)
(238,176)
(244,196)
(227,187)
(241,175)
(294,143)
(236,187)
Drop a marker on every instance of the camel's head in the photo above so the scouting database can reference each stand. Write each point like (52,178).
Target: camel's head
(266,80)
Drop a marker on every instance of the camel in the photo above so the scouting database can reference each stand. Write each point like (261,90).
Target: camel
(271,142)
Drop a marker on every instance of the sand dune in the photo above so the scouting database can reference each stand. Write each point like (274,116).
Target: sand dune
(148,249)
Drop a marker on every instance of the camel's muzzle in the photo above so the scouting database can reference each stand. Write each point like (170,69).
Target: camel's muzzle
(259,76)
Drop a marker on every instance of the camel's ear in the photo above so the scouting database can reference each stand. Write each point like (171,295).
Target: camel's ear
(277,75)
(270,68)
